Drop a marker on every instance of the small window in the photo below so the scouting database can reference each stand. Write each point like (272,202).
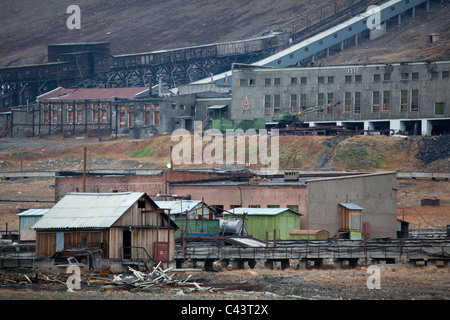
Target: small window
(294,80)
(348,79)
(330,79)
(387,77)
(141,204)
(445,74)
(303,80)
(277,81)
(243,82)
(320,80)
(415,76)
(267,81)
(376,78)
(358,78)
(439,108)
(251,82)
(434,75)
(405,76)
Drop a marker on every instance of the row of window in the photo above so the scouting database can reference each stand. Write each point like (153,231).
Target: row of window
(358,78)
(381,101)
(74,114)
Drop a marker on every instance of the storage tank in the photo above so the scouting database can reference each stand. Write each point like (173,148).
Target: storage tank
(232,227)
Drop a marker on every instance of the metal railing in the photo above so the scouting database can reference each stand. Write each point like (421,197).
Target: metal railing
(138,256)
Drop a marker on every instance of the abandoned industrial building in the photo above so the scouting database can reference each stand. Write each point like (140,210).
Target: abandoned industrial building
(402,97)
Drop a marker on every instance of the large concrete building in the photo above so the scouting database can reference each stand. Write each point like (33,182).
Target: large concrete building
(402,97)
(318,198)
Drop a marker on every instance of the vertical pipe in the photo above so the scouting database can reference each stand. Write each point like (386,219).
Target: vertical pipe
(84,170)
(168,240)
(202,216)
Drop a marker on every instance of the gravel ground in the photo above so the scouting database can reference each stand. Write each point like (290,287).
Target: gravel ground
(397,282)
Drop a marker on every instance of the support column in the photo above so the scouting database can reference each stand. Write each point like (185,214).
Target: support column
(342,45)
(303,264)
(400,19)
(426,127)
(428,5)
(285,264)
(268,264)
(237,264)
(413,12)
(338,263)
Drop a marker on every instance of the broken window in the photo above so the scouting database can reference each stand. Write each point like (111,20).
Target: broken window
(415,100)
(376,101)
(276,104)
(156,115)
(348,102)
(131,116)
(69,114)
(357,106)
(386,101)
(79,113)
(267,105)
(404,100)
(293,107)
(147,115)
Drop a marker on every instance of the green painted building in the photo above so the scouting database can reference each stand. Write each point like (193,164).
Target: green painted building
(261,220)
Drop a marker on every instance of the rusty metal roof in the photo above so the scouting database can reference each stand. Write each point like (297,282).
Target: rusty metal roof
(88,210)
(61,94)
(351,206)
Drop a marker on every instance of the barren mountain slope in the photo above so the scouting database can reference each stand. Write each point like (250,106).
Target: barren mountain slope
(27,26)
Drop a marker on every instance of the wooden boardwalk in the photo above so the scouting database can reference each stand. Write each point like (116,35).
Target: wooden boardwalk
(340,251)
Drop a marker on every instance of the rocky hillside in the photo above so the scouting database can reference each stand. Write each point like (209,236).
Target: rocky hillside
(295,152)
(27,26)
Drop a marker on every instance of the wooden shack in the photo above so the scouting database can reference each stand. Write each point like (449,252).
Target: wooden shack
(27,219)
(276,222)
(350,218)
(122,226)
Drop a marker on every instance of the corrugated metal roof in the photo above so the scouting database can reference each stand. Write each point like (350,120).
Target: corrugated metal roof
(92,93)
(33,212)
(177,207)
(351,206)
(88,210)
(259,211)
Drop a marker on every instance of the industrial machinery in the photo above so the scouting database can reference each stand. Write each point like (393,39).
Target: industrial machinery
(286,120)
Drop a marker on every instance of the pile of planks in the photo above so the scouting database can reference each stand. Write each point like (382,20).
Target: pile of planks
(157,278)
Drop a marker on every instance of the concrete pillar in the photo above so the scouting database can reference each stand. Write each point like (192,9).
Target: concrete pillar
(428,5)
(400,19)
(338,263)
(268,264)
(353,263)
(318,263)
(368,125)
(414,12)
(328,52)
(397,125)
(225,263)
(303,264)
(208,264)
(285,264)
(431,263)
(356,39)
(342,45)
(237,264)
(426,127)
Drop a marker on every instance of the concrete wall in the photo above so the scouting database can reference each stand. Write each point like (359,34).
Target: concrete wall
(374,192)
(249,195)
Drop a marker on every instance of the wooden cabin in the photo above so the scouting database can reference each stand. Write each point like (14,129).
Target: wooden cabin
(350,216)
(121,226)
